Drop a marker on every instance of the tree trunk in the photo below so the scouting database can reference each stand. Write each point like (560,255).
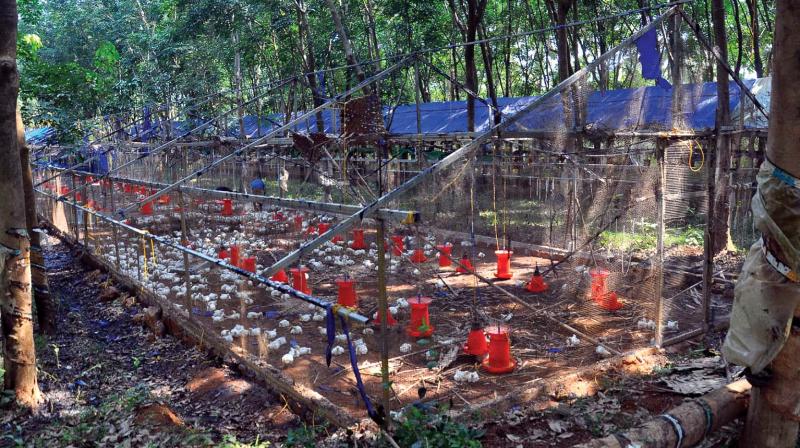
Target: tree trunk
(347,45)
(720,232)
(45,308)
(19,356)
(758,65)
(739,50)
(469,30)
(307,50)
(772,419)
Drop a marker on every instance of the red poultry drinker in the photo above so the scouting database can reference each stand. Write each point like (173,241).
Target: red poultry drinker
(390,320)
(503,264)
(476,342)
(235,255)
(358,240)
(537,283)
(222,254)
(420,325)
(465,266)
(445,252)
(300,279)
(499,359)
(227,207)
(323,227)
(249,264)
(347,292)
(311,230)
(397,245)
(147,208)
(298,222)
(600,295)
(418,256)
(280,276)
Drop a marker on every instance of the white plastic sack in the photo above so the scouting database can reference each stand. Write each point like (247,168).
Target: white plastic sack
(765,299)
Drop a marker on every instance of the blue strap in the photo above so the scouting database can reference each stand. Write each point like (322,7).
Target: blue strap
(650,58)
(330,323)
(354,365)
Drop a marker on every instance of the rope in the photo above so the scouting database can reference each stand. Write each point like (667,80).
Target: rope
(691,154)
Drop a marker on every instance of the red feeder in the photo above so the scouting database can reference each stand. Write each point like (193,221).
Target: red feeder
(164,199)
(397,245)
(390,320)
(91,205)
(89,179)
(323,227)
(418,256)
(537,283)
(337,239)
(311,230)
(347,292)
(222,254)
(280,276)
(476,343)
(227,207)
(420,325)
(607,300)
(126,188)
(64,190)
(147,208)
(499,359)
(445,251)
(78,197)
(503,264)
(299,280)
(358,240)
(249,264)
(278,216)
(298,222)
(464,265)
(235,255)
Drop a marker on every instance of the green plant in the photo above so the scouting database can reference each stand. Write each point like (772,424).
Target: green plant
(421,429)
(230,441)
(304,436)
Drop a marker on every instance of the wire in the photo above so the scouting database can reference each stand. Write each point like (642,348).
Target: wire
(691,154)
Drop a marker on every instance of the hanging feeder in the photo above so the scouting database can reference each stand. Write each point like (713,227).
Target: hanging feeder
(279,276)
(499,359)
(347,292)
(235,255)
(249,264)
(465,266)
(476,342)
(537,283)
(445,251)
(600,295)
(227,207)
(397,245)
(300,279)
(420,325)
(323,227)
(503,264)
(147,208)
(358,240)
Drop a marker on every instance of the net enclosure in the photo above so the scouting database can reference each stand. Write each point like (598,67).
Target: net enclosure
(565,227)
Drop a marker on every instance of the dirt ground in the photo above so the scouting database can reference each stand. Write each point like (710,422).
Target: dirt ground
(107,382)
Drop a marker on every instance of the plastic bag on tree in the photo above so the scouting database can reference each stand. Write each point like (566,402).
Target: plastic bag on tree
(767,292)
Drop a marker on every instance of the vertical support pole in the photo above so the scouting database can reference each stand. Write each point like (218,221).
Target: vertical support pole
(417,95)
(661,146)
(114,228)
(185,242)
(383,312)
(708,236)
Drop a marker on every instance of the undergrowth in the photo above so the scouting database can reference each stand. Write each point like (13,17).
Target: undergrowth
(420,429)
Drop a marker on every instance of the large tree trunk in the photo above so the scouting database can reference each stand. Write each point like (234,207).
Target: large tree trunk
(469,29)
(19,357)
(307,51)
(349,54)
(758,65)
(772,419)
(45,308)
(720,231)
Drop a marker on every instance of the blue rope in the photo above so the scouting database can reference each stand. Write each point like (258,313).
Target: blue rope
(331,329)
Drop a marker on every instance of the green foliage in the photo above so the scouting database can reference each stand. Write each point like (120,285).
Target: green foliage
(434,430)
(304,436)
(229,441)
(645,238)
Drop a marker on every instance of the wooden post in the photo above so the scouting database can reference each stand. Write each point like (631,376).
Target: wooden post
(661,149)
(383,312)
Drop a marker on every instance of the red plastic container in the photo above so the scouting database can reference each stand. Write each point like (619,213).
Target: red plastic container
(147,208)
(311,230)
(347,292)
(278,216)
(499,359)
(64,190)
(476,343)
(445,252)
(418,256)
(298,222)
(222,254)
(390,320)
(249,264)
(235,255)
(337,239)
(358,240)
(607,300)
(503,264)
(227,207)
(537,283)
(397,245)
(323,227)
(420,325)
(300,280)
(126,188)
(164,199)
(466,265)
(280,276)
